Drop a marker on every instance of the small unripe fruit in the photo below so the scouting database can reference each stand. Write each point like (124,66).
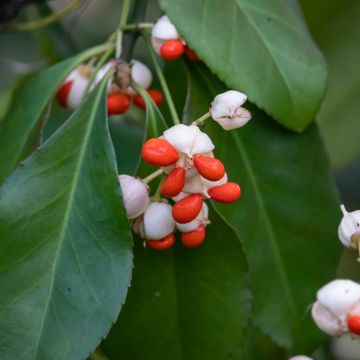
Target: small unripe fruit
(353,323)
(172,49)
(140,74)
(226,193)
(191,54)
(187,209)
(210,168)
(163,244)
(63,93)
(135,195)
(174,183)
(158,221)
(118,104)
(159,152)
(194,238)
(156,96)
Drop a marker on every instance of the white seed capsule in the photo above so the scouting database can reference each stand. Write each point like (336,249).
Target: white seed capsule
(349,226)
(80,78)
(141,74)
(164,29)
(339,296)
(158,221)
(198,184)
(335,302)
(326,321)
(135,195)
(300,357)
(227,111)
(188,139)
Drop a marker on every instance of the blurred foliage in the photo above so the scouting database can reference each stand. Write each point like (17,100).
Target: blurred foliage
(335,26)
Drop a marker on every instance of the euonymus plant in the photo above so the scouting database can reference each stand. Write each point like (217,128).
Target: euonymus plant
(177,207)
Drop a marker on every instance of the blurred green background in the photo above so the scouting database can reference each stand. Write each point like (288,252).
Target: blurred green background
(334,25)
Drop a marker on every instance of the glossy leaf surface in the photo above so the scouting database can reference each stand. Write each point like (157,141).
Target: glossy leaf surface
(65,254)
(262,48)
(287,216)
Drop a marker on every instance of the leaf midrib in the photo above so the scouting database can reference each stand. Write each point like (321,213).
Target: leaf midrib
(268,225)
(67,214)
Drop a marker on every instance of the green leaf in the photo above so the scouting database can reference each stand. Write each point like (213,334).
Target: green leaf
(20,129)
(65,254)
(185,303)
(7,94)
(287,216)
(262,48)
(339,114)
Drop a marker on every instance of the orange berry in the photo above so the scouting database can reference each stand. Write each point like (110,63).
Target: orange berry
(187,209)
(166,243)
(63,93)
(226,193)
(172,49)
(210,168)
(159,152)
(156,96)
(118,103)
(191,54)
(194,238)
(174,183)
(353,322)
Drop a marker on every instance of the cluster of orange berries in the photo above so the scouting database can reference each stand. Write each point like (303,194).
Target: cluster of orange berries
(185,154)
(119,98)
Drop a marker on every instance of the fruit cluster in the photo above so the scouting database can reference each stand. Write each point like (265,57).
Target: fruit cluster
(191,174)
(337,309)
(167,42)
(120,95)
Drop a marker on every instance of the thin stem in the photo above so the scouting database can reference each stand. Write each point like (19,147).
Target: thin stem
(201,120)
(45,21)
(157,195)
(123,18)
(162,80)
(153,176)
(137,27)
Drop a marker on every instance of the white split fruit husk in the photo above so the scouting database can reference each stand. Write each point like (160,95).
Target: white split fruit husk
(349,228)
(135,195)
(189,140)
(158,221)
(80,78)
(140,74)
(197,184)
(162,31)
(300,357)
(226,110)
(335,302)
